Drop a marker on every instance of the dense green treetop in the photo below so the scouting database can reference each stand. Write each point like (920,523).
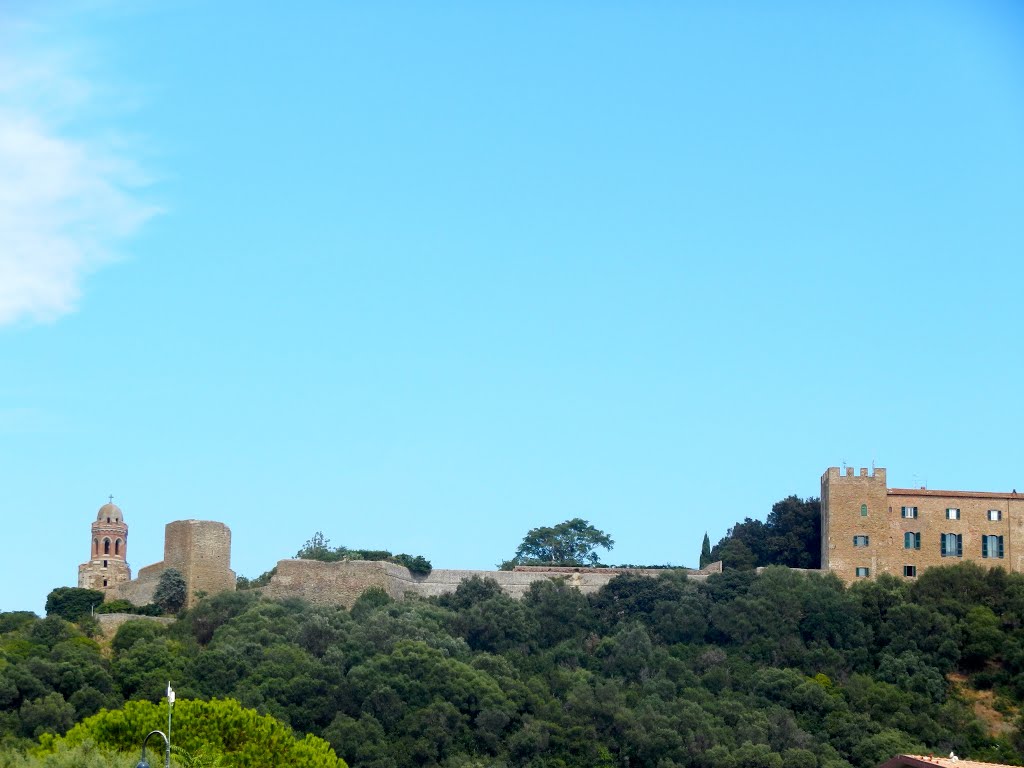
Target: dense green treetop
(573,542)
(72,603)
(705,551)
(790,536)
(171,591)
(241,737)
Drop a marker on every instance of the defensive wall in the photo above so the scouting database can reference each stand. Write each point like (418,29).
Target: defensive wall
(342,582)
(110,622)
(201,551)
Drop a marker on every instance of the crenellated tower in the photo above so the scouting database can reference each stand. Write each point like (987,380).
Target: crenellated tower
(856,535)
(108,551)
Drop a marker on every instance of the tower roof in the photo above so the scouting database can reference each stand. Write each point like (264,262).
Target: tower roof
(111,511)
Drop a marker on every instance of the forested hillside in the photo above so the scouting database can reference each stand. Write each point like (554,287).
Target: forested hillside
(783,669)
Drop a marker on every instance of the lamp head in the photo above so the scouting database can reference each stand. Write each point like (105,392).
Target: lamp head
(143,763)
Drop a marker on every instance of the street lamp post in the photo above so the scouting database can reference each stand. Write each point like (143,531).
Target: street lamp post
(143,762)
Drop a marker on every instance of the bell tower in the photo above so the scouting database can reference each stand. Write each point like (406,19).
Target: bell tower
(108,551)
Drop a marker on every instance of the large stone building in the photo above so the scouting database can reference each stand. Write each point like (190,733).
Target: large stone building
(868,528)
(199,549)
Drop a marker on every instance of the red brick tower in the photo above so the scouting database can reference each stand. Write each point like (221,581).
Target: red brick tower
(108,551)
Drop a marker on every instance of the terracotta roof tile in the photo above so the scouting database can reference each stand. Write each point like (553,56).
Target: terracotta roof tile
(926,761)
(954,494)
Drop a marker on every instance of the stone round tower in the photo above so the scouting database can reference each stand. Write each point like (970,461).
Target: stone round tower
(108,551)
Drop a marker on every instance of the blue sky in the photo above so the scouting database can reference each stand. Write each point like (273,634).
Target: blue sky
(426,276)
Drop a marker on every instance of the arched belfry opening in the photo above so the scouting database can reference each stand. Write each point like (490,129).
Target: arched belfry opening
(106,546)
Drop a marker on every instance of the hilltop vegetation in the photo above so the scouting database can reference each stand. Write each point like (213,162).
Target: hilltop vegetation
(791,536)
(784,670)
(318,547)
(574,542)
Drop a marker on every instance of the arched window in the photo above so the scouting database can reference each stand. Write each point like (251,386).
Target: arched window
(95,546)
(117,547)
(108,519)
(106,546)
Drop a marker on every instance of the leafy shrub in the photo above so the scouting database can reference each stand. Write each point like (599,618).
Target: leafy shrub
(260,581)
(72,603)
(221,727)
(418,565)
(318,548)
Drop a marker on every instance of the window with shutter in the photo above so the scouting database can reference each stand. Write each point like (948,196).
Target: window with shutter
(951,544)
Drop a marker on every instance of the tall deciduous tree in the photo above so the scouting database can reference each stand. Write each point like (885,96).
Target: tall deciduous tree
(573,542)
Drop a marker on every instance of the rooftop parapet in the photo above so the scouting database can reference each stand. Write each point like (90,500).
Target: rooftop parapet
(834,474)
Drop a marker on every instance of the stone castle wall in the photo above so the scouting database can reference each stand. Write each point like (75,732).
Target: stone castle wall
(110,622)
(341,583)
(139,591)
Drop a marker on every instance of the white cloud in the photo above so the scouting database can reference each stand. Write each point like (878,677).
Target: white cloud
(65,200)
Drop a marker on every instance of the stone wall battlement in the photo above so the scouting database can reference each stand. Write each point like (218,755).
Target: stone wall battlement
(835,474)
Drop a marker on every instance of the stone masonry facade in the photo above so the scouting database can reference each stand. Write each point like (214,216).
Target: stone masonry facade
(107,566)
(868,529)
